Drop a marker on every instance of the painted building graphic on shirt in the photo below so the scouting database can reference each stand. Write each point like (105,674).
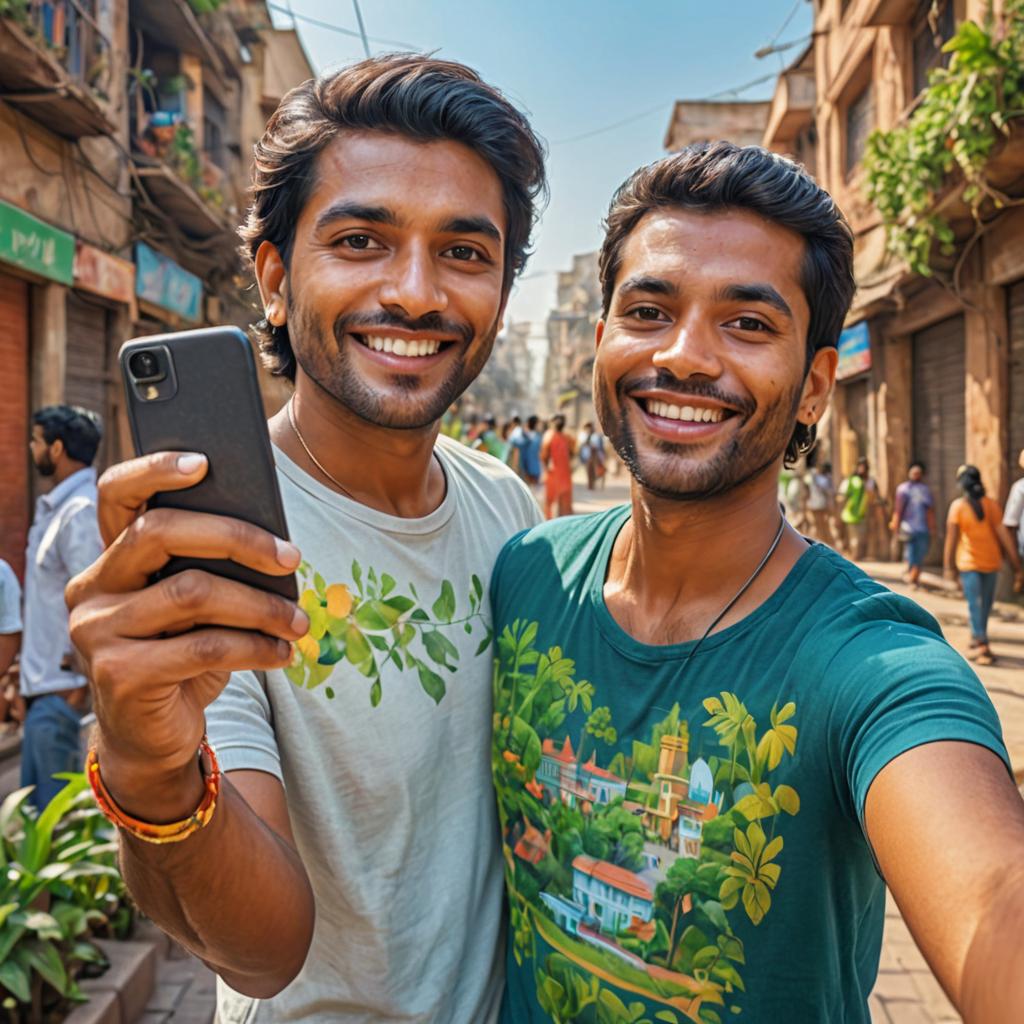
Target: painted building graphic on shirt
(628,859)
(371,623)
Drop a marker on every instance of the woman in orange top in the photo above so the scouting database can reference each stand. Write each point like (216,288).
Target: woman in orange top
(556,452)
(976,543)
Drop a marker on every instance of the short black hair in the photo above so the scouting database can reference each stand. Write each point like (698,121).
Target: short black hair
(406,94)
(710,177)
(80,429)
(920,465)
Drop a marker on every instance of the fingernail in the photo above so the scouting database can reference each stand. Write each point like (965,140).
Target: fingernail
(287,554)
(188,464)
(284,649)
(300,621)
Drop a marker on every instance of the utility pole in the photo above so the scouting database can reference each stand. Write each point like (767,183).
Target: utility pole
(362,27)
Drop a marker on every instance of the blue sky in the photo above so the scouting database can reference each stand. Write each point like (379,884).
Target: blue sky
(576,66)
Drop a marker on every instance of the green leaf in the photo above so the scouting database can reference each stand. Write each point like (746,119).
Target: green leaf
(357,649)
(5,911)
(379,642)
(375,693)
(332,650)
(16,980)
(526,743)
(10,934)
(387,584)
(788,799)
(43,958)
(320,585)
(87,953)
(444,606)
(400,604)
(484,644)
(705,956)
(419,615)
(431,682)
(10,808)
(357,576)
(478,587)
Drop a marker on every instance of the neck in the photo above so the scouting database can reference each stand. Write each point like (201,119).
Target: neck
(64,469)
(676,564)
(390,470)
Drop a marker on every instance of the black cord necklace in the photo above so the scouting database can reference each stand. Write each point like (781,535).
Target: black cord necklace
(739,593)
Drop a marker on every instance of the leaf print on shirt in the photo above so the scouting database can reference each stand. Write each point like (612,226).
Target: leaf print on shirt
(630,859)
(370,623)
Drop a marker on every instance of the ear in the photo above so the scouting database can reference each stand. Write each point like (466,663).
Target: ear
(818,387)
(598,333)
(56,450)
(272,280)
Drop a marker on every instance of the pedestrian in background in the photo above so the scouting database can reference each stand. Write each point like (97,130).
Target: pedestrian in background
(820,498)
(64,540)
(531,453)
(556,452)
(1013,519)
(857,494)
(592,454)
(10,638)
(976,542)
(913,520)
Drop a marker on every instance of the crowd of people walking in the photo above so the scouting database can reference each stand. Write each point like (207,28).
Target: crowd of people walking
(543,452)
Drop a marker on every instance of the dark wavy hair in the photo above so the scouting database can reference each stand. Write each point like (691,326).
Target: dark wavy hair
(712,176)
(418,97)
(80,429)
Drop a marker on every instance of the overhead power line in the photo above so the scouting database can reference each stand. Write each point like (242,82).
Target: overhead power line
(353,33)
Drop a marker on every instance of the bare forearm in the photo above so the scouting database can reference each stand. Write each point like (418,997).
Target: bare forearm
(235,894)
(9,643)
(992,984)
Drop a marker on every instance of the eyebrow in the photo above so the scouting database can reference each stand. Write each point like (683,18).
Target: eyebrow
(756,293)
(471,226)
(647,283)
(356,211)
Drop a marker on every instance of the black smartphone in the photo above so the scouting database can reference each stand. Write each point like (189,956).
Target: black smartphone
(198,391)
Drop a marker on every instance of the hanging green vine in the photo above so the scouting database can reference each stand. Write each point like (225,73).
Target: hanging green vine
(966,109)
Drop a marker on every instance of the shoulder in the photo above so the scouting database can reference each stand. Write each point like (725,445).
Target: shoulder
(492,485)
(10,589)
(554,547)
(992,506)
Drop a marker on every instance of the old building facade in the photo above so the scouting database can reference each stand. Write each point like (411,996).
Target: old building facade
(126,128)
(931,368)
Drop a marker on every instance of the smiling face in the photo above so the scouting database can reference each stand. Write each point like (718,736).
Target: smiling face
(394,286)
(700,370)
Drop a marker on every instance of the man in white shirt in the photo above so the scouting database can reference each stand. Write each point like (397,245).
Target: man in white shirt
(64,540)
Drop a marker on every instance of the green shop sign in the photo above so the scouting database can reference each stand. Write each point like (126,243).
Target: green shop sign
(29,243)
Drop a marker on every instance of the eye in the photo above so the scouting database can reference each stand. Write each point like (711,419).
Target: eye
(360,243)
(464,253)
(748,323)
(650,313)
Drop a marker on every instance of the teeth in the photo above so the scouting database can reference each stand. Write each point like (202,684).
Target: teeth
(401,347)
(686,413)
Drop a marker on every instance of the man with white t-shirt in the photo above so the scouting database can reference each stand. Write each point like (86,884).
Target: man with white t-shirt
(393,203)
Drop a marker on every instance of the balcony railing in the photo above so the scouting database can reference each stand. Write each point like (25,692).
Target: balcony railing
(55,62)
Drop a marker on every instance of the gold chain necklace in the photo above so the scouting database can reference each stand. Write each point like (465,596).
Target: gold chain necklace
(316,462)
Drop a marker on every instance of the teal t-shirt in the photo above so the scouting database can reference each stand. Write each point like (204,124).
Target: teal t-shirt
(688,846)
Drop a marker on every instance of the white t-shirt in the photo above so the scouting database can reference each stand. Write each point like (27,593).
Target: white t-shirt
(391,805)
(1013,516)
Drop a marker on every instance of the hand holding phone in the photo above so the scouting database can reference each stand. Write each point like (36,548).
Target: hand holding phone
(160,647)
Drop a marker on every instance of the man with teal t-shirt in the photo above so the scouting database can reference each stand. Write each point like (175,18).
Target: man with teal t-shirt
(712,739)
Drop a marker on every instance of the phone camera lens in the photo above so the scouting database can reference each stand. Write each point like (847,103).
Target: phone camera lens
(145,366)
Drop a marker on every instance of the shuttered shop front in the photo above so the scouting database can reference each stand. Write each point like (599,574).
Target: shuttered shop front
(14,420)
(939,413)
(87,376)
(1016,318)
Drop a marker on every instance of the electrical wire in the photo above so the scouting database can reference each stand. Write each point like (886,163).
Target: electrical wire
(337,28)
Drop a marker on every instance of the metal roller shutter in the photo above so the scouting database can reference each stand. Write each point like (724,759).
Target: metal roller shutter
(86,381)
(1016,320)
(14,421)
(939,413)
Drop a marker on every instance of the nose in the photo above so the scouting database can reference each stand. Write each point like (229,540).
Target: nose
(412,288)
(692,350)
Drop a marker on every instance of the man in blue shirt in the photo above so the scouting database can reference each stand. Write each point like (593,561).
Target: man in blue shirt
(913,519)
(64,540)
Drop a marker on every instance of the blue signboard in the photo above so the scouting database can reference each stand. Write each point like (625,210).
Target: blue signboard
(854,351)
(161,281)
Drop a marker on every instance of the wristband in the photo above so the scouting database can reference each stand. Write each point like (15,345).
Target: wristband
(174,832)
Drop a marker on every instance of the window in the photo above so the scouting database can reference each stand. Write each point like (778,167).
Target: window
(214,124)
(933,26)
(860,119)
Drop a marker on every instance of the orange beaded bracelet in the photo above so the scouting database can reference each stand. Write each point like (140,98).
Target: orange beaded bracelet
(174,832)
